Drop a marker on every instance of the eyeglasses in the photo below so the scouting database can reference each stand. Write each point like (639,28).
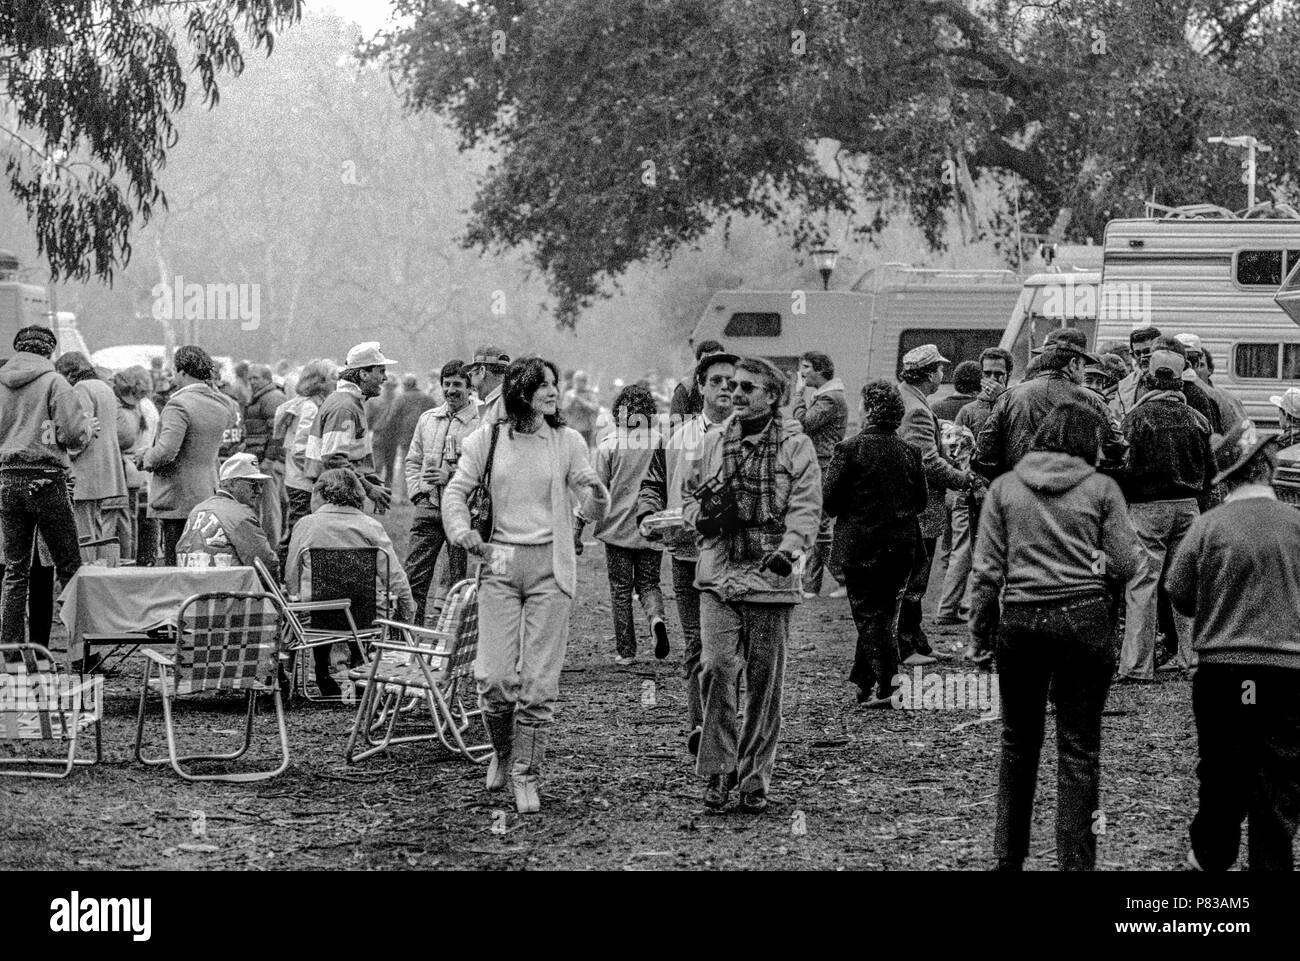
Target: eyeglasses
(744,386)
(1141,352)
(996,374)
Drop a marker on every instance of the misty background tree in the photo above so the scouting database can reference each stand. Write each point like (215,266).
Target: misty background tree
(627,130)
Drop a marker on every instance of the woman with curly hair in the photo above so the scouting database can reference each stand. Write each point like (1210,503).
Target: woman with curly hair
(523,603)
(633,565)
(875,487)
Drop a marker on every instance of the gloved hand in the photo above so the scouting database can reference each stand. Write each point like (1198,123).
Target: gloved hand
(780,563)
(708,527)
(578,525)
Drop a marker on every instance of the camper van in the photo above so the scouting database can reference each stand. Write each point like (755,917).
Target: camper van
(867,332)
(21,303)
(1209,272)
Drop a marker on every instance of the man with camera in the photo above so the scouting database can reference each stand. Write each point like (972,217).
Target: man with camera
(754,496)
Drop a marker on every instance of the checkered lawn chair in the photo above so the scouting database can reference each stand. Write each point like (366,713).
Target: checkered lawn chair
(417,666)
(225,641)
(328,621)
(41,701)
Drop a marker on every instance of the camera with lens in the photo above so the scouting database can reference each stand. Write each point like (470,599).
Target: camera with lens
(719,513)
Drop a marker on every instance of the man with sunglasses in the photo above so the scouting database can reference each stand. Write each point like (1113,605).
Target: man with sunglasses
(996,366)
(1141,342)
(754,496)
(661,489)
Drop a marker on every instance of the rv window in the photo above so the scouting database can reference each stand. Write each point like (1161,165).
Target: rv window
(1259,268)
(756,325)
(1256,360)
(956,345)
(1291,361)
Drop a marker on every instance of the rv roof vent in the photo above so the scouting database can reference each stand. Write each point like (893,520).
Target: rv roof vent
(8,264)
(1269,210)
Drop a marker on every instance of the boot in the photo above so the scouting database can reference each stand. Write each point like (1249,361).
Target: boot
(501,732)
(526,764)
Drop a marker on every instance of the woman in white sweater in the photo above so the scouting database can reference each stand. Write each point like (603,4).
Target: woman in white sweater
(524,604)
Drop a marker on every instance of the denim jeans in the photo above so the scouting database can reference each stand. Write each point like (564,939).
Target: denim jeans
(739,636)
(1161,526)
(299,507)
(32,500)
(630,570)
(172,529)
(875,591)
(427,540)
(1065,649)
(1249,764)
(688,612)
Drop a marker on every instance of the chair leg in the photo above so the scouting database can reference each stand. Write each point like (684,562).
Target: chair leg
(243,776)
(139,720)
(362,723)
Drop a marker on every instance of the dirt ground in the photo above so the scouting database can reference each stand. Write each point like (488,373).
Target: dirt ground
(853,789)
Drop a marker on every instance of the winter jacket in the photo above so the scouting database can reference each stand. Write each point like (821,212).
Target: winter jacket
(183,458)
(920,428)
(661,489)
(1231,411)
(97,470)
(341,427)
(687,399)
(1017,414)
(1237,575)
(949,407)
(567,458)
(973,415)
(259,420)
(798,503)
(824,418)
(40,415)
(1052,529)
(1199,400)
(335,527)
(223,527)
(1169,456)
(622,459)
(428,449)
(875,488)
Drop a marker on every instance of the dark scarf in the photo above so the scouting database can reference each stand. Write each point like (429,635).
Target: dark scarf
(752,480)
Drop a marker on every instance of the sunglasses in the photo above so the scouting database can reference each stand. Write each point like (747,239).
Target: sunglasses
(1141,351)
(744,386)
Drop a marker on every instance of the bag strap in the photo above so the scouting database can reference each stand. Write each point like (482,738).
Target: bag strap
(492,453)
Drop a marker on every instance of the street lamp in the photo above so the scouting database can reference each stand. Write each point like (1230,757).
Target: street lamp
(826,258)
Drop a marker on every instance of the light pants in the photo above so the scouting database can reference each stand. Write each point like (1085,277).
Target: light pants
(270,506)
(523,631)
(735,637)
(97,521)
(954,602)
(1161,526)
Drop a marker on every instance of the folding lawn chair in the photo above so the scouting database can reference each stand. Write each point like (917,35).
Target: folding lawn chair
(432,667)
(225,641)
(330,621)
(41,701)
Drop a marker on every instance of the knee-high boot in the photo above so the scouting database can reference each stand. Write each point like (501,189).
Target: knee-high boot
(526,766)
(501,732)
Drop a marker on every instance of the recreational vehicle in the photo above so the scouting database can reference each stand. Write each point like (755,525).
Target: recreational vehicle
(1207,271)
(867,332)
(1050,300)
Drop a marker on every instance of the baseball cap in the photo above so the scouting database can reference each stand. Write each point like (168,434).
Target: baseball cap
(242,467)
(708,360)
(1108,365)
(1169,360)
(923,356)
(489,356)
(1289,402)
(366,355)
(1191,342)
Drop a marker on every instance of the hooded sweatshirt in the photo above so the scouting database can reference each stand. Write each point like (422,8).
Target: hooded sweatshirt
(1052,530)
(40,415)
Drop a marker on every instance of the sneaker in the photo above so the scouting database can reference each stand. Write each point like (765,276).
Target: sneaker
(753,802)
(919,660)
(660,630)
(622,661)
(693,741)
(840,591)
(809,595)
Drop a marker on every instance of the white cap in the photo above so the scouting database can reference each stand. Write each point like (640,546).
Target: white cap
(1288,402)
(242,467)
(1190,341)
(366,355)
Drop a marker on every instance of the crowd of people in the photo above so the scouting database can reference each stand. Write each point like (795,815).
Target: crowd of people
(1092,492)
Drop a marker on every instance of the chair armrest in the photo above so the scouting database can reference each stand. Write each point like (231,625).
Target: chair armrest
(154,656)
(414,629)
(408,649)
(342,604)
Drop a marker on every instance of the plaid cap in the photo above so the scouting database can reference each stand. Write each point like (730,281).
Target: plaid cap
(923,356)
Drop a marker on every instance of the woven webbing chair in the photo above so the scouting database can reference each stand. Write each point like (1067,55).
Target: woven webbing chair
(225,641)
(415,666)
(41,701)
